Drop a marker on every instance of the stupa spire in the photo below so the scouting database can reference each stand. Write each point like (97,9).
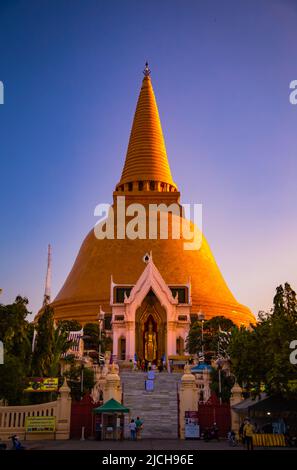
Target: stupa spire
(146,165)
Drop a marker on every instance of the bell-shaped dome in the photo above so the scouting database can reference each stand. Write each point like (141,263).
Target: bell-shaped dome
(88,284)
(146,177)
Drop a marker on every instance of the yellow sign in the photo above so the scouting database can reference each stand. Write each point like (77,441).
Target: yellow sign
(41,384)
(40,424)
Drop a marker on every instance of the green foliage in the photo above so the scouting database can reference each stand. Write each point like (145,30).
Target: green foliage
(211,335)
(92,338)
(227,382)
(75,375)
(19,362)
(69,325)
(51,341)
(16,334)
(42,356)
(260,355)
(12,379)
(91,334)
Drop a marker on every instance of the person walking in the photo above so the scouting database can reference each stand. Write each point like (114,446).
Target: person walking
(241,432)
(248,431)
(139,424)
(132,427)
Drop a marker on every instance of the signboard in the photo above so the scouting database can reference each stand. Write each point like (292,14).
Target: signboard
(41,384)
(40,424)
(149,385)
(192,428)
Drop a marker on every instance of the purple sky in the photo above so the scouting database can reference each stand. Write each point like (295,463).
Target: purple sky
(221,70)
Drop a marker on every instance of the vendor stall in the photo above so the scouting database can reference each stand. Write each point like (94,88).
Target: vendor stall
(110,420)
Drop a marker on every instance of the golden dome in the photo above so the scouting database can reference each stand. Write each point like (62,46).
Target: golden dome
(88,285)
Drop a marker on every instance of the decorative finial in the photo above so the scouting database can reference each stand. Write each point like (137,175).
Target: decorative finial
(147,70)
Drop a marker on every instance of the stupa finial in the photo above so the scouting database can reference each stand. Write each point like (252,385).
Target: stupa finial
(147,70)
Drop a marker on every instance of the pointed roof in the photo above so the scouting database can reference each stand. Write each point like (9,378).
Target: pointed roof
(150,279)
(111,406)
(146,158)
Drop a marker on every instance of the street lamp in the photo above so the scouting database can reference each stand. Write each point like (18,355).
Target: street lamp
(83,361)
(219,363)
(100,317)
(201,317)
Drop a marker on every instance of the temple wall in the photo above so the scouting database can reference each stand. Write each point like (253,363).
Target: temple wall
(12,418)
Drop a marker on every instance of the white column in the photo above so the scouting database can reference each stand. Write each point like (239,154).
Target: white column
(130,340)
(171,338)
(115,341)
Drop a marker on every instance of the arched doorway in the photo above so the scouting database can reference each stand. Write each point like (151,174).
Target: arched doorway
(150,322)
(122,348)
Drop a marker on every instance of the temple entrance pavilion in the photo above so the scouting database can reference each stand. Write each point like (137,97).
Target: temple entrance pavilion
(149,320)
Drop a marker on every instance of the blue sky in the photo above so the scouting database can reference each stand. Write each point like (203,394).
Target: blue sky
(221,70)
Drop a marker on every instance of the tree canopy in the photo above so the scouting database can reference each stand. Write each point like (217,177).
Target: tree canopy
(16,334)
(260,355)
(212,339)
(21,360)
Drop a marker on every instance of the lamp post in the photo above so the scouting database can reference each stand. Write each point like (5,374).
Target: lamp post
(100,320)
(219,363)
(83,362)
(201,317)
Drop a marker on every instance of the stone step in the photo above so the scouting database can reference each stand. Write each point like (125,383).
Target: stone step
(157,409)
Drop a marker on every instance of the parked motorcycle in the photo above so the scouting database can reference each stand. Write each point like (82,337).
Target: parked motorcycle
(211,433)
(291,441)
(16,444)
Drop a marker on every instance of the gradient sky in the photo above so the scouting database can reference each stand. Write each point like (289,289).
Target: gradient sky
(72,71)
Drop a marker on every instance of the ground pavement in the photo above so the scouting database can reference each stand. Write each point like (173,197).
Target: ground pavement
(144,444)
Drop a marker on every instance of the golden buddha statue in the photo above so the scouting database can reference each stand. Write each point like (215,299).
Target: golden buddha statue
(150,350)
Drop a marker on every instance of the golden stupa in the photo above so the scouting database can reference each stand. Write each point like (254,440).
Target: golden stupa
(102,264)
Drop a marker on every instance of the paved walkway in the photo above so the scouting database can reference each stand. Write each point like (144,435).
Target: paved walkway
(145,444)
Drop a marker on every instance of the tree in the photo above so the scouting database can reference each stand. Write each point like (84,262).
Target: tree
(260,355)
(43,348)
(51,342)
(227,382)
(16,334)
(212,333)
(92,338)
(75,375)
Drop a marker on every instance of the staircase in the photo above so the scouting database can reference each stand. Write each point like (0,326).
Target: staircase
(157,409)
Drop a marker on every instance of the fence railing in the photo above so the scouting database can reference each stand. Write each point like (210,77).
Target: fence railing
(13,418)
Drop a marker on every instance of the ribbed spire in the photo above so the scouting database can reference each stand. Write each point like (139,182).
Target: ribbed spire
(146,158)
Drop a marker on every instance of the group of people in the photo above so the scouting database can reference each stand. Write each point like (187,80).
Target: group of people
(146,366)
(135,427)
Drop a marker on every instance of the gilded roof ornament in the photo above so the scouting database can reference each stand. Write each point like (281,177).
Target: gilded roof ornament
(147,70)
